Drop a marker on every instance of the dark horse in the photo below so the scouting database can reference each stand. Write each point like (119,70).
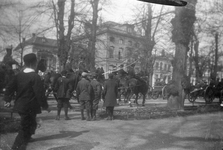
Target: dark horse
(135,85)
(51,78)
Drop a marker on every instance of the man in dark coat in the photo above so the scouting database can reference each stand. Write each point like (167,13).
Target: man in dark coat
(110,95)
(63,90)
(30,97)
(84,93)
(96,95)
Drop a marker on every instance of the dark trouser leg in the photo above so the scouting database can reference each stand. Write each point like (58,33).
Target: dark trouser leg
(108,112)
(88,110)
(59,107)
(94,108)
(112,110)
(28,127)
(82,103)
(66,105)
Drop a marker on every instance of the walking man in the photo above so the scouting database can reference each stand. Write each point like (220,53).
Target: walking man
(96,95)
(84,93)
(110,95)
(63,90)
(30,97)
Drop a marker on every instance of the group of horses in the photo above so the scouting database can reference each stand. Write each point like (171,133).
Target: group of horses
(127,86)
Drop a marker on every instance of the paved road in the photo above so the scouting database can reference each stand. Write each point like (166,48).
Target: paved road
(198,132)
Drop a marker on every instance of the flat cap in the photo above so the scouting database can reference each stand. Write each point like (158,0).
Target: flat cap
(30,58)
(84,74)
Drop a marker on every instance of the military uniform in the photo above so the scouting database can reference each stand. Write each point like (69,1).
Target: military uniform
(84,93)
(96,96)
(63,89)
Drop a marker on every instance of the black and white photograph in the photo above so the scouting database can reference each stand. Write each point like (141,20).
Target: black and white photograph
(111,75)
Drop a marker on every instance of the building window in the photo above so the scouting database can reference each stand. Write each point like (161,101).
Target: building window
(111,52)
(161,66)
(119,55)
(121,41)
(129,30)
(130,43)
(165,67)
(157,65)
(112,39)
(169,66)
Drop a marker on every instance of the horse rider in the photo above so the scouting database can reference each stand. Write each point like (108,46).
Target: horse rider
(8,60)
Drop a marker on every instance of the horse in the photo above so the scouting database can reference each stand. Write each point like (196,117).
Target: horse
(134,85)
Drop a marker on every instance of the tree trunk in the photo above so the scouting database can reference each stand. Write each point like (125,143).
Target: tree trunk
(216,57)
(92,43)
(64,41)
(181,36)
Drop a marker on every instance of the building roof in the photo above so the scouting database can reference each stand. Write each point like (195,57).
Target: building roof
(35,40)
(113,28)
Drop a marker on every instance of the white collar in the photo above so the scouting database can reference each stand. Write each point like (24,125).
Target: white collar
(28,70)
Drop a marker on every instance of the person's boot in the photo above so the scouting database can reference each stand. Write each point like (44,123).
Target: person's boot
(88,115)
(82,114)
(94,115)
(109,114)
(58,114)
(112,116)
(66,113)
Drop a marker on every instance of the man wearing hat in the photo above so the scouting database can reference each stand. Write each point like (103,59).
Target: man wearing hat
(63,88)
(96,95)
(30,98)
(84,93)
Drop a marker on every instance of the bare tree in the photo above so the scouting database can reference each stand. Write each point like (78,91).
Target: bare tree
(149,25)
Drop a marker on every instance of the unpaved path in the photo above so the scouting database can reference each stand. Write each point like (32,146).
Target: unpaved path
(198,132)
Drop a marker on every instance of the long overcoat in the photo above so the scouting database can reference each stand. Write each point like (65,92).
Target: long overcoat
(110,93)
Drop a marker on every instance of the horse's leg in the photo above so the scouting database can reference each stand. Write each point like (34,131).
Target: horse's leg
(129,99)
(136,98)
(143,99)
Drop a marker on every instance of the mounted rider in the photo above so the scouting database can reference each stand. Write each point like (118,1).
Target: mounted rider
(8,60)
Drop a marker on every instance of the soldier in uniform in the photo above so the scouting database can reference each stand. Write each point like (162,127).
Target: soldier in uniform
(96,95)
(30,98)
(63,88)
(84,93)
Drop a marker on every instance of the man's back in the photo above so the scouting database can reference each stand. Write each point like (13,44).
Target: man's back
(84,89)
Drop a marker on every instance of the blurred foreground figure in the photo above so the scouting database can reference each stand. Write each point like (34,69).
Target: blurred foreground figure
(30,97)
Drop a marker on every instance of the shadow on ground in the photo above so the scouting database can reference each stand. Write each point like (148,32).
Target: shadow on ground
(62,134)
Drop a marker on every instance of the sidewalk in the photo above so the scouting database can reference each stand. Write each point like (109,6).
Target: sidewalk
(198,132)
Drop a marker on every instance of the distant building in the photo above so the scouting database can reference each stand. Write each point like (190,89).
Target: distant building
(116,45)
(45,48)
(162,69)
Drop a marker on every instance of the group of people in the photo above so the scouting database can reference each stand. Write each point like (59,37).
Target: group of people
(30,98)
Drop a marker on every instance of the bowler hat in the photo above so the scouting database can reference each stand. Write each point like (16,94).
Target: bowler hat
(30,58)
